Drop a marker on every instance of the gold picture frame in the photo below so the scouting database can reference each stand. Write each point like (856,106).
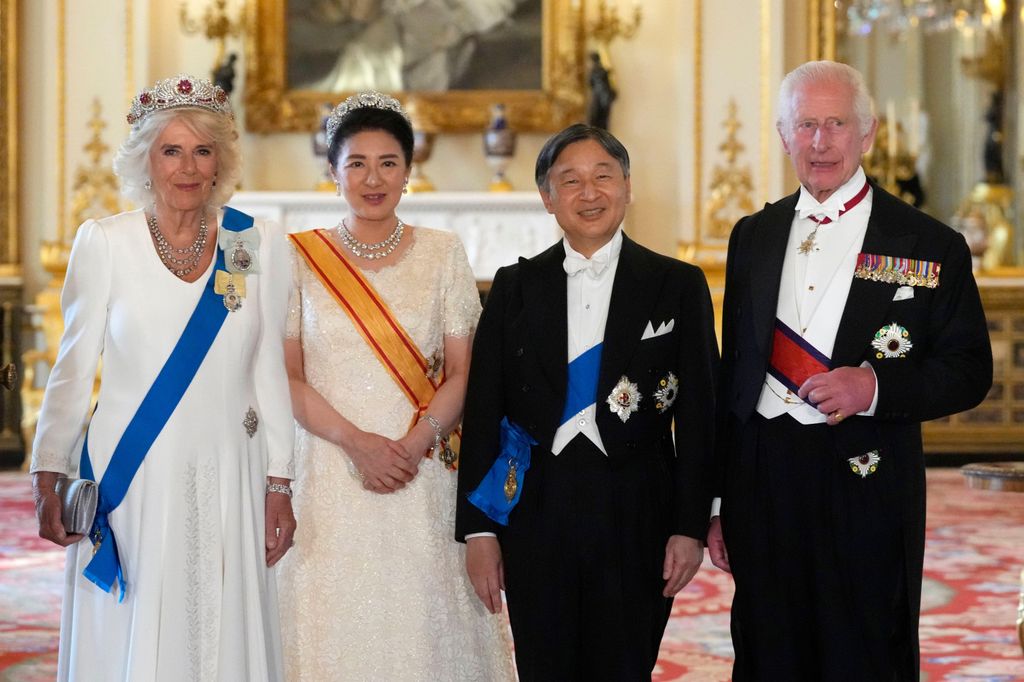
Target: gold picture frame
(271,105)
(9,249)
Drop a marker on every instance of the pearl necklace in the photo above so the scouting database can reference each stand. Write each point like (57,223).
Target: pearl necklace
(371,251)
(181,261)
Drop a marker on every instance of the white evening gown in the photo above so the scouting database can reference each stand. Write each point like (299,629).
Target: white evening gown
(375,588)
(201,603)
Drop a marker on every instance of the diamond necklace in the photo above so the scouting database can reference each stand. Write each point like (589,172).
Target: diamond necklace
(371,251)
(181,261)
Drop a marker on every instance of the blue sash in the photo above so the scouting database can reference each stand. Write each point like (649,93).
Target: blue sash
(156,408)
(583,374)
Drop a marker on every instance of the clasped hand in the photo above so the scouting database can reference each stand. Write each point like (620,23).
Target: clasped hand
(385,465)
(840,393)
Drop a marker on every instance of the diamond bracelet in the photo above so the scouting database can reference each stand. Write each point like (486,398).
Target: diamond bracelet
(279,488)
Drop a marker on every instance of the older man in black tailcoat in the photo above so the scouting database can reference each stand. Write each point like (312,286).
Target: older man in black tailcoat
(849,319)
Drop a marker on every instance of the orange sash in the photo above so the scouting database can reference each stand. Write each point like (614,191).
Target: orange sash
(374,321)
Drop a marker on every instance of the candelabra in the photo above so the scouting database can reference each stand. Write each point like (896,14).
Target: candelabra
(605,27)
(608,25)
(892,164)
(215,24)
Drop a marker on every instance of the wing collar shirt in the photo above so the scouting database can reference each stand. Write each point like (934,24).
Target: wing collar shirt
(589,291)
(815,285)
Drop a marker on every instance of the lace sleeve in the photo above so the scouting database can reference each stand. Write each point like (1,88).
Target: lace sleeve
(461,298)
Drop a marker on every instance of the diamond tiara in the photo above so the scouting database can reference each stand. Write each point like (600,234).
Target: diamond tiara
(363,100)
(181,91)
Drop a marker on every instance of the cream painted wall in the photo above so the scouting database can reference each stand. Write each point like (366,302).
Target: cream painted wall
(656,115)
(38,142)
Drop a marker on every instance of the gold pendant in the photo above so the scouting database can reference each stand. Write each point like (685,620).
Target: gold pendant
(511,484)
(807,245)
(448,456)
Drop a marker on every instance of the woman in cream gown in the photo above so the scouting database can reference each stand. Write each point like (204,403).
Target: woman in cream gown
(375,588)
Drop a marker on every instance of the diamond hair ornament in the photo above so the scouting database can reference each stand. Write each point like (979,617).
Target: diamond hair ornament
(363,100)
(181,91)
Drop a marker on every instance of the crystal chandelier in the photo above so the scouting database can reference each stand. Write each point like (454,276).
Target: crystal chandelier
(897,16)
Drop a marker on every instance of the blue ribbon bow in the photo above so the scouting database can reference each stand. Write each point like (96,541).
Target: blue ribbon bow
(489,496)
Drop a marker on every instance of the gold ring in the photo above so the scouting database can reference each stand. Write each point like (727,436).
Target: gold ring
(837,416)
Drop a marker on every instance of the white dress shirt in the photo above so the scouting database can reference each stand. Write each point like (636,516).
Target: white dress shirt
(588,292)
(815,285)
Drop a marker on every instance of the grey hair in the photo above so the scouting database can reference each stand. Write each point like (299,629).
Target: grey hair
(131,162)
(824,72)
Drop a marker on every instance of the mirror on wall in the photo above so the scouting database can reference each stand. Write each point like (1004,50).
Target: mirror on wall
(943,78)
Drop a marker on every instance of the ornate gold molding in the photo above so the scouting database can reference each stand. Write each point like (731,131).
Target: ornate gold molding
(731,186)
(272,106)
(822,33)
(9,251)
(95,187)
(698,124)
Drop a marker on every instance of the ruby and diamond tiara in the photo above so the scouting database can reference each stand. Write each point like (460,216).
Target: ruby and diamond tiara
(181,91)
(363,100)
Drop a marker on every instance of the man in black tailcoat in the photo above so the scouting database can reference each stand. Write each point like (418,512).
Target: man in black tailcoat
(849,318)
(592,351)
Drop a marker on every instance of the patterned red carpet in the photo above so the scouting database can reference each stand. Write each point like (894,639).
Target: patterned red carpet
(975,553)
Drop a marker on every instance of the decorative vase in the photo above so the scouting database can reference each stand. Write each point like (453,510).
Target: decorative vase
(423,145)
(499,148)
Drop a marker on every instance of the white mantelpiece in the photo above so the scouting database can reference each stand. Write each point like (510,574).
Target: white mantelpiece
(496,228)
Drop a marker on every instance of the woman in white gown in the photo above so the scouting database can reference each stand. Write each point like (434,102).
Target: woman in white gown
(208,509)
(378,348)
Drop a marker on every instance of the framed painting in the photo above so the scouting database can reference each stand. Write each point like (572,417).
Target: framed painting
(452,59)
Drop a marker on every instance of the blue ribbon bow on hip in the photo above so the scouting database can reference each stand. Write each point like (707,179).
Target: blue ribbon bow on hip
(490,496)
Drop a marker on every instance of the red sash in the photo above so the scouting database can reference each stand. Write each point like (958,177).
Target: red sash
(794,360)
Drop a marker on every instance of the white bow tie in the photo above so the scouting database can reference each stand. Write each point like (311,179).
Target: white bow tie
(830,210)
(575,264)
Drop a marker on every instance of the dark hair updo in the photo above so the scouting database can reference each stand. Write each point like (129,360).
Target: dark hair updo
(372,118)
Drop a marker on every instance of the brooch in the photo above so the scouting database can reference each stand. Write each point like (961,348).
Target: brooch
(865,464)
(240,250)
(665,395)
(891,341)
(251,422)
(435,363)
(624,399)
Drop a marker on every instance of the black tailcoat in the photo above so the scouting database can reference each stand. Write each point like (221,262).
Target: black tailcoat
(519,371)
(948,369)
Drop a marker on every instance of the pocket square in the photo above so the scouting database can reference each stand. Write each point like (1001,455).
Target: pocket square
(663,328)
(903,293)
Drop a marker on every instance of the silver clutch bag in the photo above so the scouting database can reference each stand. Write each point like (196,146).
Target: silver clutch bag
(78,499)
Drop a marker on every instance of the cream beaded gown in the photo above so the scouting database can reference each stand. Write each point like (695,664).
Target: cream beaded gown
(375,587)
